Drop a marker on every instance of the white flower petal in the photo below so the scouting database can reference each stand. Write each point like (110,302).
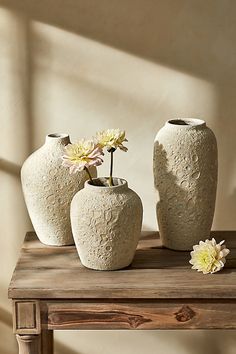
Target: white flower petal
(208,256)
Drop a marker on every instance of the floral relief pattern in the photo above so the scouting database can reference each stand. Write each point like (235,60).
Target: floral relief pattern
(48,191)
(106,225)
(185,177)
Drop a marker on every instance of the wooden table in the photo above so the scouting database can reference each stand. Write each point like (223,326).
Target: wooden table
(51,290)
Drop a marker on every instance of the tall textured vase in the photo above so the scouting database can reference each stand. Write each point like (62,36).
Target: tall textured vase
(106,224)
(185,177)
(48,190)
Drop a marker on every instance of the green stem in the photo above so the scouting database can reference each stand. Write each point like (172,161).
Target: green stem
(111,169)
(90,177)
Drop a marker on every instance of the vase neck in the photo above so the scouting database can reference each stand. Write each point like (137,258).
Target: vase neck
(57,139)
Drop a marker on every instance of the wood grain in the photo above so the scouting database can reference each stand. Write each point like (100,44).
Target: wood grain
(141,315)
(26,317)
(46,341)
(44,272)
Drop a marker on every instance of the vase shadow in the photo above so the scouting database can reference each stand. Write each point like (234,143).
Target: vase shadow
(160,258)
(185,182)
(170,195)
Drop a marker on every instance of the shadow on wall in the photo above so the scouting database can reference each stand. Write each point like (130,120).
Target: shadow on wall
(211,342)
(5,317)
(63,349)
(196,37)
(201,342)
(10,167)
(188,35)
(8,343)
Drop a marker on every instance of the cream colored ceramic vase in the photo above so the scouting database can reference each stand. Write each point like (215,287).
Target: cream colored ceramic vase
(185,176)
(106,224)
(48,190)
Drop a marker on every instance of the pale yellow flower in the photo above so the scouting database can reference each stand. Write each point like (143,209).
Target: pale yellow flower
(83,154)
(208,256)
(111,139)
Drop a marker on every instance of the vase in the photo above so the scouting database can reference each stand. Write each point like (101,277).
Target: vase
(106,224)
(185,178)
(48,189)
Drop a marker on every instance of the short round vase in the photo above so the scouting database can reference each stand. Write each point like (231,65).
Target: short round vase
(48,190)
(185,177)
(106,224)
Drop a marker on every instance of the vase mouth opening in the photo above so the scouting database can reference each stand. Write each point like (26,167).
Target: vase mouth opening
(186,122)
(103,183)
(57,136)
(57,139)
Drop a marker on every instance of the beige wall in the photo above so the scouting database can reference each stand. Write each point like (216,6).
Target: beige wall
(78,66)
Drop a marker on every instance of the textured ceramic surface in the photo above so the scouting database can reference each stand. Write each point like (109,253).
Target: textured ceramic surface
(185,176)
(48,190)
(106,225)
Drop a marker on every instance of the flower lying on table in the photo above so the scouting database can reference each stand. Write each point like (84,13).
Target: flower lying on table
(209,256)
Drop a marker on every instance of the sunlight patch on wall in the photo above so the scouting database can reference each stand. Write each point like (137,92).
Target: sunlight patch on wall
(76,75)
(81,86)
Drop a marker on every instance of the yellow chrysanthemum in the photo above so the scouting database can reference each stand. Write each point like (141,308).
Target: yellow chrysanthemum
(83,154)
(208,256)
(111,139)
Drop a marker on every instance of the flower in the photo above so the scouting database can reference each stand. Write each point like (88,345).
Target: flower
(208,256)
(111,139)
(83,154)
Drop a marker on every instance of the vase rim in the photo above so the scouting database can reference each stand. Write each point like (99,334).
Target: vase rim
(57,135)
(186,122)
(57,138)
(121,183)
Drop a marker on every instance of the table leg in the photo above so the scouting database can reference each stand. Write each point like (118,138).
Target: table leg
(28,344)
(47,341)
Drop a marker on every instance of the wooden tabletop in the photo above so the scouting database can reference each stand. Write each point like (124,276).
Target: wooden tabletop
(45,272)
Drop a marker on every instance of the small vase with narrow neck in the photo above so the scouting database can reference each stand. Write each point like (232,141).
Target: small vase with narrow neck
(48,190)
(185,176)
(106,224)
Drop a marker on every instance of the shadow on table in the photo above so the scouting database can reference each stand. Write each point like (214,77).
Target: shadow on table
(150,253)
(159,258)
